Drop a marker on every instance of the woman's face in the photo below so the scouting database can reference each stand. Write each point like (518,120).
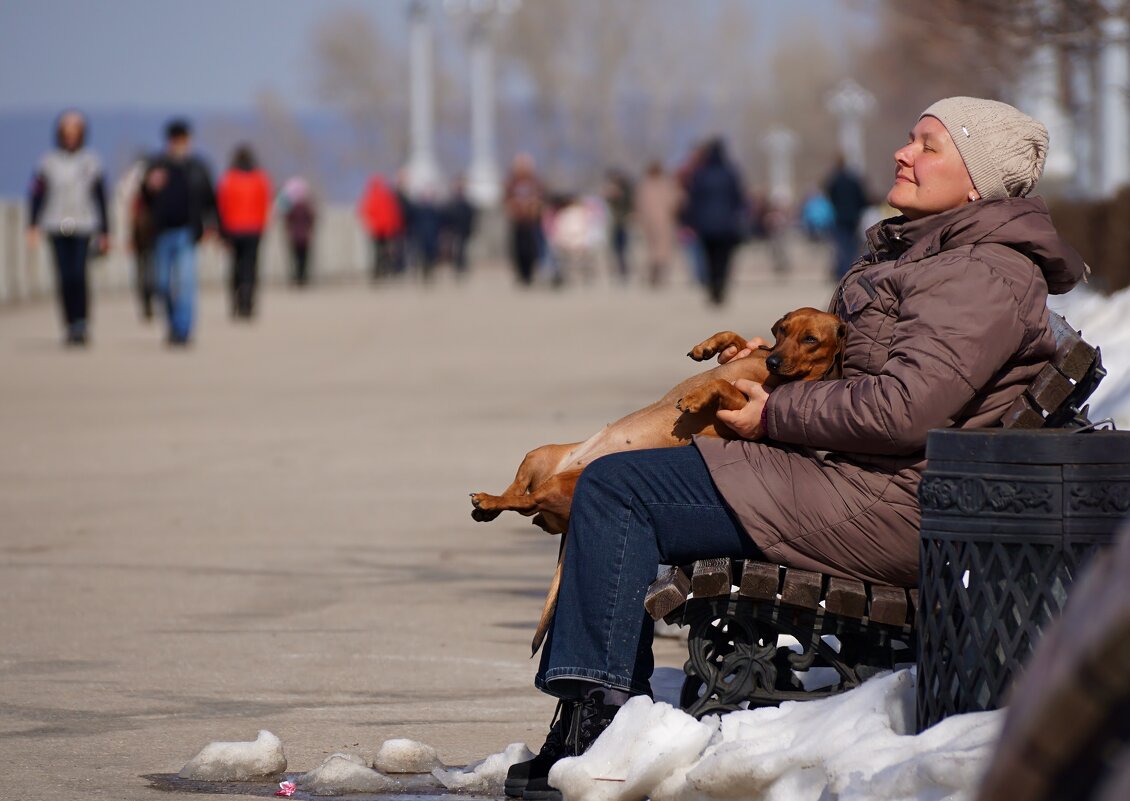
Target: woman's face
(930,175)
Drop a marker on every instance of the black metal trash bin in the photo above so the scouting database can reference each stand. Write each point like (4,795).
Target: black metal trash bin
(1008,520)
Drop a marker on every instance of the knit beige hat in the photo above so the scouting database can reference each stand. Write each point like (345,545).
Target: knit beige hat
(1003,148)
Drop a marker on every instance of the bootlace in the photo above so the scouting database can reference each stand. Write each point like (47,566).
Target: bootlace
(555,741)
(591,716)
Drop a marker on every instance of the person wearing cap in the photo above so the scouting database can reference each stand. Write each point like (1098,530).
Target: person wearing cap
(946,323)
(67,200)
(177,192)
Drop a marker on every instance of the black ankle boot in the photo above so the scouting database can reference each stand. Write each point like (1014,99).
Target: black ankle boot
(588,718)
(519,774)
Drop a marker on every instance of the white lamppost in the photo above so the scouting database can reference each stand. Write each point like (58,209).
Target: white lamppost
(849,103)
(780,144)
(484,178)
(423,175)
(1040,96)
(1114,111)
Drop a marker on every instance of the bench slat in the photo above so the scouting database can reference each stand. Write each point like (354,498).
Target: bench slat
(1075,361)
(667,593)
(711,578)
(1023,413)
(888,605)
(846,597)
(760,581)
(801,588)
(1073,356)
(1050,388)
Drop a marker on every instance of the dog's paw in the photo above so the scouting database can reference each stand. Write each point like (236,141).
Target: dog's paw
(703,351)
(694,401)
(483,511)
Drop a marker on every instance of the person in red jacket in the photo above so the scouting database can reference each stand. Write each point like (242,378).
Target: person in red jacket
(380,213)
(244,201)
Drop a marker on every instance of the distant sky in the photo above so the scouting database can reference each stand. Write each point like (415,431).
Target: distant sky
(218,54)
(162,53)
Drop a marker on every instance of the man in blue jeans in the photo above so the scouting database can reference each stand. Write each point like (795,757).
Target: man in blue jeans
(177,191)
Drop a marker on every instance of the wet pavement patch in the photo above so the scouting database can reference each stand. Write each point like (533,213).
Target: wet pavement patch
(415,787)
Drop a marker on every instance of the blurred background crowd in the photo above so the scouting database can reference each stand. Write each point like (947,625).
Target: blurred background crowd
(564,139)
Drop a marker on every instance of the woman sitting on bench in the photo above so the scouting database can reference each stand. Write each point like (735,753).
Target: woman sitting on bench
(947,325)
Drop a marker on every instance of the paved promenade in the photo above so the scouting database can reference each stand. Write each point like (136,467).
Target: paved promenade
(272,529)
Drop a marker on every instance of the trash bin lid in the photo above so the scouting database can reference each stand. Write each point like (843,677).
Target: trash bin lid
(1032,446)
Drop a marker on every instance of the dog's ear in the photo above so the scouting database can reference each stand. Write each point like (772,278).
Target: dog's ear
(836,370)
(841,332)
(777,326)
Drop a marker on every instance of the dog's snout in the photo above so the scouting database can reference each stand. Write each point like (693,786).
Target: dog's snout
(773,362)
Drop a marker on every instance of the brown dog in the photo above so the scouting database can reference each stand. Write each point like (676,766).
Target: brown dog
(808,346)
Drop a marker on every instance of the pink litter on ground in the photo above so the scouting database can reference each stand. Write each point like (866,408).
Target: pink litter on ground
(287,789)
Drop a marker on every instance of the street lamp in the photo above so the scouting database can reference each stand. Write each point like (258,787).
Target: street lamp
(422,172)
(484,181)
(849,103)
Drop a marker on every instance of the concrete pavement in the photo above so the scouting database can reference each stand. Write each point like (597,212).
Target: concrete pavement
(272,529)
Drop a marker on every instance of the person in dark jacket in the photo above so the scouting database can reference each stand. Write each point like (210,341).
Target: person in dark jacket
(299,217)
(946,324)
(459,218)
(177,191)
(619,195)
(67,200)
(716,212)
(524,202)
(849,200)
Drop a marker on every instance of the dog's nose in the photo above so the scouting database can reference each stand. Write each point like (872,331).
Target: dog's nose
(773,362)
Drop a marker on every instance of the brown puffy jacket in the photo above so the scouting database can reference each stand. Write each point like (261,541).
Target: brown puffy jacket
(947,324)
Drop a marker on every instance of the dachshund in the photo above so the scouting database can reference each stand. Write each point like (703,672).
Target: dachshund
(808,346)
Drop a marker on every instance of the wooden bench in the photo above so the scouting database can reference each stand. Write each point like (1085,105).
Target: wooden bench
(740,612)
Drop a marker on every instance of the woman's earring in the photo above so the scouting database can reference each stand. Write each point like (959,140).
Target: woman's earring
(974,197)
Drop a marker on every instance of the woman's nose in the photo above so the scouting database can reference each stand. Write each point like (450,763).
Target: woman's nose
(903,156)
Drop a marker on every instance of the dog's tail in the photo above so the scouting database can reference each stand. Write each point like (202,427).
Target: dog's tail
(550,603)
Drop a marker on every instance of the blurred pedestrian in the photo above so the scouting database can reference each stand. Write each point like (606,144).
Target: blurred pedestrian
(618,197)
(299,216)
(849,200)
(178,195)
(244,200)
(684,175)
(67,201)
(524,199)
(658,201)
(138,232)
(817,215)
(425,224)
(459,220)
(716,210)
(380,213)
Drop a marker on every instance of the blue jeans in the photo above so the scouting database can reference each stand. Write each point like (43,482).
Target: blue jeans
(631,513)
(174,260)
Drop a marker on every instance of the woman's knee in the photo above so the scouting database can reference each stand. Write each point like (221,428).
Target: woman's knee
(600,477)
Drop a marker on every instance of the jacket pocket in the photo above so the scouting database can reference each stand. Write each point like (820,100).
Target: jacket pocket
(855,297)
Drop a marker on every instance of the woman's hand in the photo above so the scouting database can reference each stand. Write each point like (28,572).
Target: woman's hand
(732,352)
(746,422)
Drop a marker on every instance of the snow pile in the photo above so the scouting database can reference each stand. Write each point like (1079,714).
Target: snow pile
(237,762)
(852,747)
(647,743)
(406,756)
(485,776)
(1103,323)
(341,774)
